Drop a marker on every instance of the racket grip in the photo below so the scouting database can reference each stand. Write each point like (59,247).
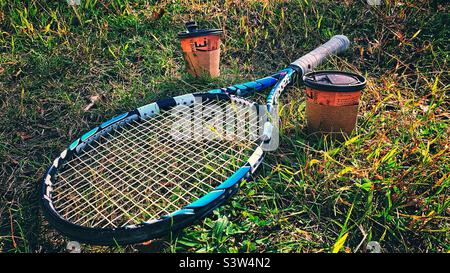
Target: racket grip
(337,44)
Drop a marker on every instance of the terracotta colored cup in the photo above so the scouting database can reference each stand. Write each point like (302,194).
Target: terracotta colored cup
(201,50)
(332,99)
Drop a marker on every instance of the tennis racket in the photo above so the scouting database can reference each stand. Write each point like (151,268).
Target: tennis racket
(160,167)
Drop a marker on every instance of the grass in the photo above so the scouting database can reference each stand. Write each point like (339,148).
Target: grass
(389,182)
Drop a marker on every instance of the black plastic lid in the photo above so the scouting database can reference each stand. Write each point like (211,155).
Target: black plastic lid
(192,31)
(336,81)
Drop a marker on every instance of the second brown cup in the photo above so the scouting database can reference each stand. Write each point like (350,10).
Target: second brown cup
(332,99)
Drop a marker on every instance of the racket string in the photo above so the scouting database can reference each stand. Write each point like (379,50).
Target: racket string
(113,140)
(124,195)
(128,141)
(185,162)
(109,198)
(155,203)
(122,130)
(204,192)
(89,203)
(86,153)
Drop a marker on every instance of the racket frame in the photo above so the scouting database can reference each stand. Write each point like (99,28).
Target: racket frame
(198,209)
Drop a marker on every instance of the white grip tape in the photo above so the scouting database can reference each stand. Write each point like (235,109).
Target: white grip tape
(335,45)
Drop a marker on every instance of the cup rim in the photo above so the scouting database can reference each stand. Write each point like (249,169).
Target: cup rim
(310,82)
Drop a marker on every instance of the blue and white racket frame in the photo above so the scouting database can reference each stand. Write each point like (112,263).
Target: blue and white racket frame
(198,209)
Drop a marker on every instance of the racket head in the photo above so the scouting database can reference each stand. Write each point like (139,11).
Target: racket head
(53,190)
